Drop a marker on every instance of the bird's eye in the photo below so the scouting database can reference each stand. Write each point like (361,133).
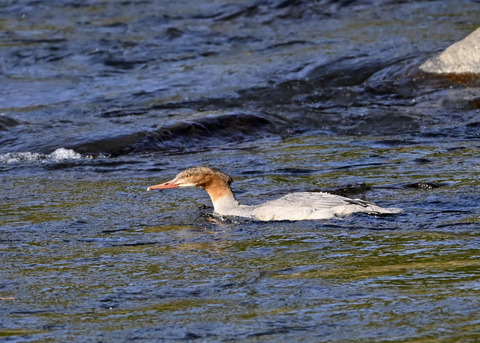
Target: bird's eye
(187,175)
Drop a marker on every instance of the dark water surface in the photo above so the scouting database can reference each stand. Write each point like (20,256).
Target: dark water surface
(100,99)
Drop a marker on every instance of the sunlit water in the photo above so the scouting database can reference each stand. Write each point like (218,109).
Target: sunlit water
(102,100)
(92,255)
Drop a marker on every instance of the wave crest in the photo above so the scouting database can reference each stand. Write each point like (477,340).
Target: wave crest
(58,155)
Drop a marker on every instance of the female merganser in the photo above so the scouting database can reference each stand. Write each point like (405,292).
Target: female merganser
(294,206)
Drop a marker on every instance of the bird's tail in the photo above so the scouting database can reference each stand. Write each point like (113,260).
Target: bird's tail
(374,209)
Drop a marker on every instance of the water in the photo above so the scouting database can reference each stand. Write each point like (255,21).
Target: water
(101,100)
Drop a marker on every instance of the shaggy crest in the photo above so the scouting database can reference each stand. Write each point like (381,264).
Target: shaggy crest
(206,170)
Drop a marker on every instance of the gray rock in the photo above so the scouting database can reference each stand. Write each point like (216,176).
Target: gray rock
(461,58)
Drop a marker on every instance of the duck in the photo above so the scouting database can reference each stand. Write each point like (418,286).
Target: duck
(291,207)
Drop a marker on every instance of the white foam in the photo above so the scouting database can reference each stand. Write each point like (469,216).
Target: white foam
(58,155)
(65,154)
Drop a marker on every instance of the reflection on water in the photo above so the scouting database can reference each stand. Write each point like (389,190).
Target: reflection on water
(245,282)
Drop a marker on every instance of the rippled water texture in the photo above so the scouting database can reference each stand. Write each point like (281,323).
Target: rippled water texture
(100,99)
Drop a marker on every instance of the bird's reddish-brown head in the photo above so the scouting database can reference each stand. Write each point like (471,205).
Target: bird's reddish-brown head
(195,177)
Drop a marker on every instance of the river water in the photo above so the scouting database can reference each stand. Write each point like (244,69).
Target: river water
(100,100)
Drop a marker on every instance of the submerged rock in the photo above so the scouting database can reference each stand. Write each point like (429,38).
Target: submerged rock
(460,60)
(7,122)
